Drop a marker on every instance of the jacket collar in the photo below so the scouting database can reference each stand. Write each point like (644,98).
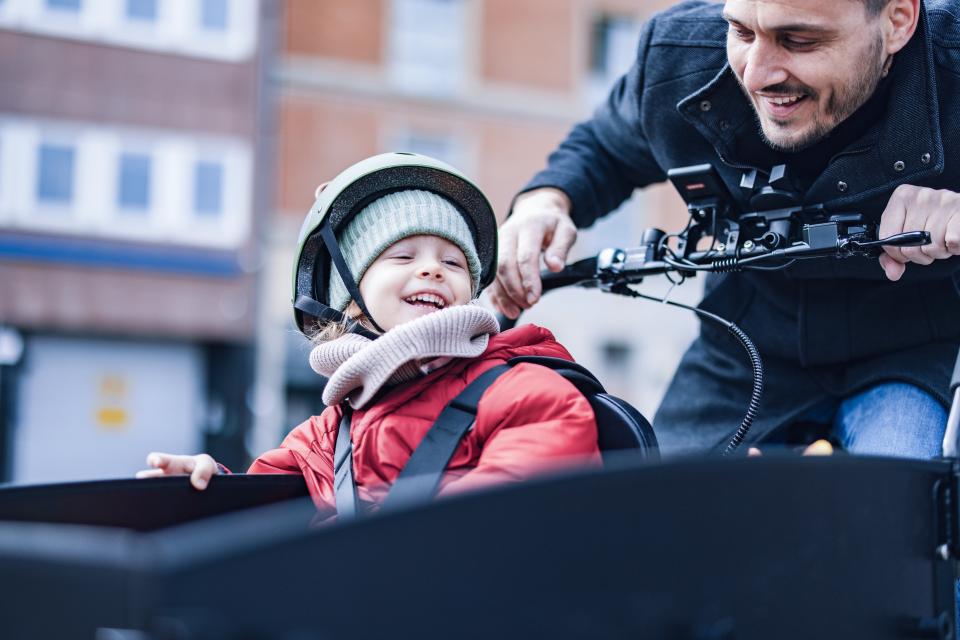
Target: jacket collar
(906,147)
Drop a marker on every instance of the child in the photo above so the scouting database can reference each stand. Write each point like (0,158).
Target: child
(421,242)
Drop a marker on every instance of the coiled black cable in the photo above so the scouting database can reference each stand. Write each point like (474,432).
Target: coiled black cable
(720,265)
(756,362)
(726,265)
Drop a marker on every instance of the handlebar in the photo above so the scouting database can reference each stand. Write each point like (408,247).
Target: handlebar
(614,267)
(613,270)
(780,231)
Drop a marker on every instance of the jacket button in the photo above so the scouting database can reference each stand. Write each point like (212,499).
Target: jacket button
(898,165)
(706,105)
(724,125)
(841,186)
(925,158)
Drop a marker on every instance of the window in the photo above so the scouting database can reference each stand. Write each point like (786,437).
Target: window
(134,182)
(124,182)
(208,188)
(213,29)
(64,5)
(55,174)
(613,48)
(613,45)
(426,45)
(214,15)
(145,10)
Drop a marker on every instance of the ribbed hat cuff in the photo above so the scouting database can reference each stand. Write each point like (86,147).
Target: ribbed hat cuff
(392,218)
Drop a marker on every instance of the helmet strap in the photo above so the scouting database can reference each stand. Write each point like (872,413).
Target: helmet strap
(322,312)
(330,240)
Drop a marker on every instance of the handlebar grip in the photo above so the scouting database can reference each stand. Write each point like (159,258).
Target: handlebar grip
(908,239)
(579,271)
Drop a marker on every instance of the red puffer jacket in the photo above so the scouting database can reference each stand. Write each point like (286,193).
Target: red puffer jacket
(529,420)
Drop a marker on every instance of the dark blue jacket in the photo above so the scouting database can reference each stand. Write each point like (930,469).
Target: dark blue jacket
(827,327)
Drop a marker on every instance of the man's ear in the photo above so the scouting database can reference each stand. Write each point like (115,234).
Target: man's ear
(900,19)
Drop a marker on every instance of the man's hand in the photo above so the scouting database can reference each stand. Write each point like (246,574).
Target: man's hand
(819,447)
(201,468)
(540,223)
(920,209)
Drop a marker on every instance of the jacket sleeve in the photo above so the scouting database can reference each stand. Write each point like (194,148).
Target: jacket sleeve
(306,450)
(604,159)
(547,425)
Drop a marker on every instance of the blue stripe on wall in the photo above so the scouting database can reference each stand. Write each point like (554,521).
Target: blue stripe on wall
(119,256)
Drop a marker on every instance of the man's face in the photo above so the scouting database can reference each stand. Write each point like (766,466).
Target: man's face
(805,65)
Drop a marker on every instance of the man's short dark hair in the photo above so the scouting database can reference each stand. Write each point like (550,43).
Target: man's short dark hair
(874,7)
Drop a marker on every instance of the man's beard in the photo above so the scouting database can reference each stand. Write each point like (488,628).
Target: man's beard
(841,105)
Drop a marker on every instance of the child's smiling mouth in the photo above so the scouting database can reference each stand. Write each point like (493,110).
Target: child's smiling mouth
(429,300)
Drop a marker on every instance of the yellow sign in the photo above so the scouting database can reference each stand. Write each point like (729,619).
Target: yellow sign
(113,395)
(112,418)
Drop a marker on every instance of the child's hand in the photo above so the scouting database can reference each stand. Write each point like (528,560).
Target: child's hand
(201,467)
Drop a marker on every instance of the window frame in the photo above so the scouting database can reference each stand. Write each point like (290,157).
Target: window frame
(199,164)
(57,204)
(94,208)
(139,20)
(124,208)
(404,48)
(175,29)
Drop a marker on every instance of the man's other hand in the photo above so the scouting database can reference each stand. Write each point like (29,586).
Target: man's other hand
(819,447)
(540,225)
(920,209)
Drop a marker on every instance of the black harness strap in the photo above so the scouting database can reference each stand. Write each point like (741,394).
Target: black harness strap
(340,264)
(345,489)
(420,477)
(422,473)
(328,314)
(319,311)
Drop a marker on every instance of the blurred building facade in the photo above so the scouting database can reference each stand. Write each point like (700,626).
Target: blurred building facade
(491,86)
(157,158)
(129,207)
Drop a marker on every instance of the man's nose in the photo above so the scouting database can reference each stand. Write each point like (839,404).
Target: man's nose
(765,66)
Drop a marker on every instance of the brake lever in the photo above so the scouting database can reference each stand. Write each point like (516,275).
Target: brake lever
(908,239)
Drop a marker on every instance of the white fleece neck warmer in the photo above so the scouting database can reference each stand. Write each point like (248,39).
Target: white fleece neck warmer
(358,367)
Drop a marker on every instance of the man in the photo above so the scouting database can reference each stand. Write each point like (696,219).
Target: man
(857,97)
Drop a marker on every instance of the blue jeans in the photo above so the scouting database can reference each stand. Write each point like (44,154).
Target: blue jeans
(889,419)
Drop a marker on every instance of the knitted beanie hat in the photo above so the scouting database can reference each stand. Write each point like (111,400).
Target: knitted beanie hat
(392,218)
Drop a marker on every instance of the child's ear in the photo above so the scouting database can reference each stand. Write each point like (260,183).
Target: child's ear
(316,194)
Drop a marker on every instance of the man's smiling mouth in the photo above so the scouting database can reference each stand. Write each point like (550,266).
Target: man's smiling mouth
(786,99)
(781,106)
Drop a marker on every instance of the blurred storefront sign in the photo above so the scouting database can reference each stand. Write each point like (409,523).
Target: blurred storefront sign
(94,408)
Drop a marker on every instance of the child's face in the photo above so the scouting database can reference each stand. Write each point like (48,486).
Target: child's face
(413,277)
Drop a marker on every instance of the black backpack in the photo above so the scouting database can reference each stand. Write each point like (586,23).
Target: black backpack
(620,428)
